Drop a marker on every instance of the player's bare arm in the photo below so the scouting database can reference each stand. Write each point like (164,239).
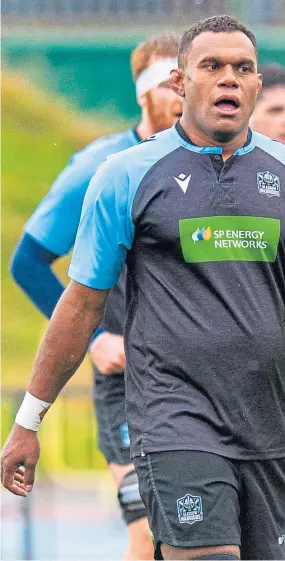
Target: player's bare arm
(65,343)
(63,348)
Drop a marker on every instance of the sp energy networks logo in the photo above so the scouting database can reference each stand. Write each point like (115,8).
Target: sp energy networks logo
(229,238)
(189,509)
(203,234)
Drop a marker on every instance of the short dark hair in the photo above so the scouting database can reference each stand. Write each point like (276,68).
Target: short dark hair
(217,24)
(273,75)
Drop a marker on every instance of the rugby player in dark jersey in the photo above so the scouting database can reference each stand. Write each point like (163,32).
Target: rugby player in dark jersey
(198,214)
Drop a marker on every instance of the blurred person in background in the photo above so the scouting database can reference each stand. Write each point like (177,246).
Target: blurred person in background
(269,113)
(50,233)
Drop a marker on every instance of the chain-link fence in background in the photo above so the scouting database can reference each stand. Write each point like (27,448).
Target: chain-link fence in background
(259,12)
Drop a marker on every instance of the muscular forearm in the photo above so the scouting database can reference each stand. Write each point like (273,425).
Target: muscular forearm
(65,343)
(76,316)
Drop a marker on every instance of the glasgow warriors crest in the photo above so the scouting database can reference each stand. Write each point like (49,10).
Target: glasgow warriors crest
(268,184)
(189,509)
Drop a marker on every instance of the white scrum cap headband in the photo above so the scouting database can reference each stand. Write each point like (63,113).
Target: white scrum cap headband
(155,74)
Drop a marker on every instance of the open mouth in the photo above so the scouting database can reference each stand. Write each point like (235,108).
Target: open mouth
(227,104)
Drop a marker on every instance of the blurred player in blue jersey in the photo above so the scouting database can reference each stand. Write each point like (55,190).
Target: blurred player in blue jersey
(50,233)
(198,214)
(269,114)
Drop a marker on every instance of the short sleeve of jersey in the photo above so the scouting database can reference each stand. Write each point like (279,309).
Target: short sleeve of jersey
(106,229)
(55,221)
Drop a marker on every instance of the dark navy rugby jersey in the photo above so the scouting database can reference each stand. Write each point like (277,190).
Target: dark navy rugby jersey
(55,221)
(205,303)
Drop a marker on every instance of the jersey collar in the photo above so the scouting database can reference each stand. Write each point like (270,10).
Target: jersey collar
(136,137)
(187,143)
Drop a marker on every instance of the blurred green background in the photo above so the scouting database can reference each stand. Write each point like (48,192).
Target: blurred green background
(92,70)
(39,134)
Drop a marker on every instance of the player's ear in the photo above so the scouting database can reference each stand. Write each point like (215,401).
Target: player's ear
(259,83)
(177,82)
(142,100)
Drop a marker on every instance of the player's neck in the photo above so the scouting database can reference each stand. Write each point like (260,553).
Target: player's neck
(200,138)
(146,127)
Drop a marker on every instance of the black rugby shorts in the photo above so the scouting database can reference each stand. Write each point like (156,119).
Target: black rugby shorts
(201,499)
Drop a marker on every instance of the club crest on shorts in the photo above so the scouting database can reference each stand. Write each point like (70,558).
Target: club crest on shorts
(268,184)
(189,509)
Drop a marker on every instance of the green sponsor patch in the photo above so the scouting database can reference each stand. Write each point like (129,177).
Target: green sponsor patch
(229,238)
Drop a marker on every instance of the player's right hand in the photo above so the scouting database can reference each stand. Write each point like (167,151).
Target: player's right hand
(19,458)
(108,353)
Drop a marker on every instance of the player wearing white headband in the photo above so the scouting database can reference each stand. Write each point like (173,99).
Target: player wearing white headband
(151,70)
(155,74)
(51,232)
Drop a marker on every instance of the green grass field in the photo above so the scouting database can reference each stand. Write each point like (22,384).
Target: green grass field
(38,137)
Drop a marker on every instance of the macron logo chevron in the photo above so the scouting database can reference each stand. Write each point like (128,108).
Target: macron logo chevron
(183,181)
